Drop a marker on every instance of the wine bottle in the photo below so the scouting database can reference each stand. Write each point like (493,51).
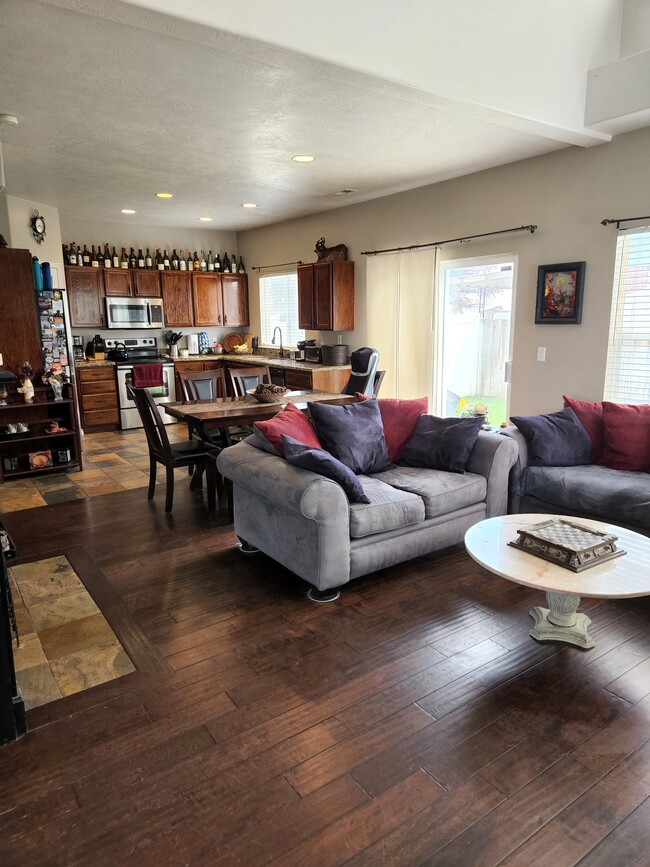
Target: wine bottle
(140,258)
(226,264)
(190,261)
(72,254)
(182,264)
(204,264)
(241,269)
(100,256)
(160,264)
(233,264)
(147,260)
(217,263)
(108,262)
(116,259)
(166,263)
(175,261)
(94,261)
(197,262)
(124,261)
(85,256)
(133,259)
(66,254)
(210,262)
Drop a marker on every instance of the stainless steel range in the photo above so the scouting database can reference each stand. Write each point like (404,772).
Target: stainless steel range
(140,350)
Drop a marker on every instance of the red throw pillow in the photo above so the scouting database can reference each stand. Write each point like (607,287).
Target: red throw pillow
(590,416)
(627,436)
(399,418)
(292,422)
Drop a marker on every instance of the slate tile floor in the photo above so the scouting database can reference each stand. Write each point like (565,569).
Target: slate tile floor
(113,461)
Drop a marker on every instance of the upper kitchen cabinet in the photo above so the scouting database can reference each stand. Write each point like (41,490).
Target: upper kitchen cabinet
(326,296)
(234,288)
(146,284)
(206,295)
(85,297)
(177,298)
(117,282)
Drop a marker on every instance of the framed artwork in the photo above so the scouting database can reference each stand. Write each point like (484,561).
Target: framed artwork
(559,293)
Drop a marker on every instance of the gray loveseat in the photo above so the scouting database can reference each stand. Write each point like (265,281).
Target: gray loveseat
(305,521)
(590,491)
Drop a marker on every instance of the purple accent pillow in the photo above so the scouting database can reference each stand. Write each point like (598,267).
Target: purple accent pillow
(353,433)
(557,439)
(322,462)
(441,443)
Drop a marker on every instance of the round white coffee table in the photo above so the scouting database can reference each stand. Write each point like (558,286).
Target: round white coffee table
(623,577)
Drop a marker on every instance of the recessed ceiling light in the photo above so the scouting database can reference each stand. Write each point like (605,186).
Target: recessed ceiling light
(128,211)
(249,205)
(303,158)
(164,195)
(205,219)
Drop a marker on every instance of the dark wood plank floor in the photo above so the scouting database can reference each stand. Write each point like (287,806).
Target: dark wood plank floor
(412,722)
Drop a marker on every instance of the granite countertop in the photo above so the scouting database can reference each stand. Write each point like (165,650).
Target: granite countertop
(289,363)
(93,363)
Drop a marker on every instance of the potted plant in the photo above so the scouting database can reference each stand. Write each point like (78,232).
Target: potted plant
(25,376)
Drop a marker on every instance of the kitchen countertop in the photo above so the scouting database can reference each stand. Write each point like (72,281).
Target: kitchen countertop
(93,363)
(288,363)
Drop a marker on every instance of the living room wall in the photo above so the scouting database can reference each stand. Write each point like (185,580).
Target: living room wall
(566,194)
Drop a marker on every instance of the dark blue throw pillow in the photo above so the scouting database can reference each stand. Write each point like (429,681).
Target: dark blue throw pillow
(322,462)
(353,433)
(441,443)
(557,439)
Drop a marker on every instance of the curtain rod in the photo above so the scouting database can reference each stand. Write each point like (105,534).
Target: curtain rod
(279,265)
(530,229)
(619,220)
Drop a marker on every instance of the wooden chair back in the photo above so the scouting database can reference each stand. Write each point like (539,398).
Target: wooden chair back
(243,378)
(203,384)
(153,424)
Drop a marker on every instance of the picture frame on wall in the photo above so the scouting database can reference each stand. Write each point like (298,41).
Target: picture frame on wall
(559,294)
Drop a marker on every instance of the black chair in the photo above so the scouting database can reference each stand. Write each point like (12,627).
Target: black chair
(363,377)
(172,455)
(203,384)
(244,378)
(379,378)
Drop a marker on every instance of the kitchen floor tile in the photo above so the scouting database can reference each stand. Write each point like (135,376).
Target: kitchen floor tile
(29,653)
(37,686)
(84,634)
(55,612)
(46,579)
(88,668)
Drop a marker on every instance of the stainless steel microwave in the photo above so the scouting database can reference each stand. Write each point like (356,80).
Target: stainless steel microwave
(134,312)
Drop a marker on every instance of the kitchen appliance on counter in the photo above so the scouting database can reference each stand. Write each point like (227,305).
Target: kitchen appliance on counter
(193,344)
(313,354)
(134,312)
(141,350)
(78,350)
(301,349)
(337,353)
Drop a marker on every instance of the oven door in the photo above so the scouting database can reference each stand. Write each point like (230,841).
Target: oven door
(162,394)
(128,313)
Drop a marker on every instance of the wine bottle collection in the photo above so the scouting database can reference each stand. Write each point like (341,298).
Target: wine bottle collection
(107,258)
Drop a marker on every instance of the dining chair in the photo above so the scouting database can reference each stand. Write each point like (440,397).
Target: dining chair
(202,384)
(244,378)
(363,379)
(172,455)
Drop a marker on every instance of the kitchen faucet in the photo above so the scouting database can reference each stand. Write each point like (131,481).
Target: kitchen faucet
(277,328)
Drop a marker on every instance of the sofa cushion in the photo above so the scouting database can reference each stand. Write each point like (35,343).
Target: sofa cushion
(290,421)
(556,439)
(442,492)
(322,462)
(399,417)
(353,433)
(627,436)
(610,495)
(441,443)
(590,416)
(388,509)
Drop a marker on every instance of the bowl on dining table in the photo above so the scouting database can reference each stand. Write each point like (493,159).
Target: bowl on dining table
(268,396)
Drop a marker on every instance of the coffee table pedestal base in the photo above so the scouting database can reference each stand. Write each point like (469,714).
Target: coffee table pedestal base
(560,622)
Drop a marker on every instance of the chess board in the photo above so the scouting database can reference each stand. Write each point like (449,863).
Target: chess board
(571,545)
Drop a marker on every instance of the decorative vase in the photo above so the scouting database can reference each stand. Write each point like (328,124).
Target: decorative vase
(174,351)
(28,391)
(57,388)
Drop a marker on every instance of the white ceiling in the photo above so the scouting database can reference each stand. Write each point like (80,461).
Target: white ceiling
(116,102)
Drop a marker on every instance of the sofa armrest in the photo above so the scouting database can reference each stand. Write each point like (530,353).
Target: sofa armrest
(297,517)
(517,475)
(493,456)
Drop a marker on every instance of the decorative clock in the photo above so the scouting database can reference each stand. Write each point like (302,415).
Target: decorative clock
(38,227)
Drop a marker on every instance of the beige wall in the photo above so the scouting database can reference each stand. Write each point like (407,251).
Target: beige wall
(19,214)
(566,193)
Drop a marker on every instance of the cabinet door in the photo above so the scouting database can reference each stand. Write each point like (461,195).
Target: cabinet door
(117,282)
(177,297)
(85,297)
(306,296)
(323,296)
(146,284)
(234,289)
(206,294)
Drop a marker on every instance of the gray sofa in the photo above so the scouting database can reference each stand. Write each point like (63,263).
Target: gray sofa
(616,496)
(305,521)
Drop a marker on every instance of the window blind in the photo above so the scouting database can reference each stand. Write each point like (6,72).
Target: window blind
(627,377)
(279,307)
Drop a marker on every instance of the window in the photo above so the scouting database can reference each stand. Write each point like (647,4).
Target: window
(279,307)
(627,379)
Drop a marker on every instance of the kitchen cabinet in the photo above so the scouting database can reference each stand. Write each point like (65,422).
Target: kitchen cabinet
(234,291)
(145,284)
(326,296)
(206,297)
(20,338)
(98,397)
(37,415)
(85,297)
(177,298)
(117,281)
(332,380)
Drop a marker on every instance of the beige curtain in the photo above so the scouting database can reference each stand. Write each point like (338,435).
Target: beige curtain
(399,289)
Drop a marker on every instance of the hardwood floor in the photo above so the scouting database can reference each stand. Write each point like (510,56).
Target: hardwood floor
(412,722)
